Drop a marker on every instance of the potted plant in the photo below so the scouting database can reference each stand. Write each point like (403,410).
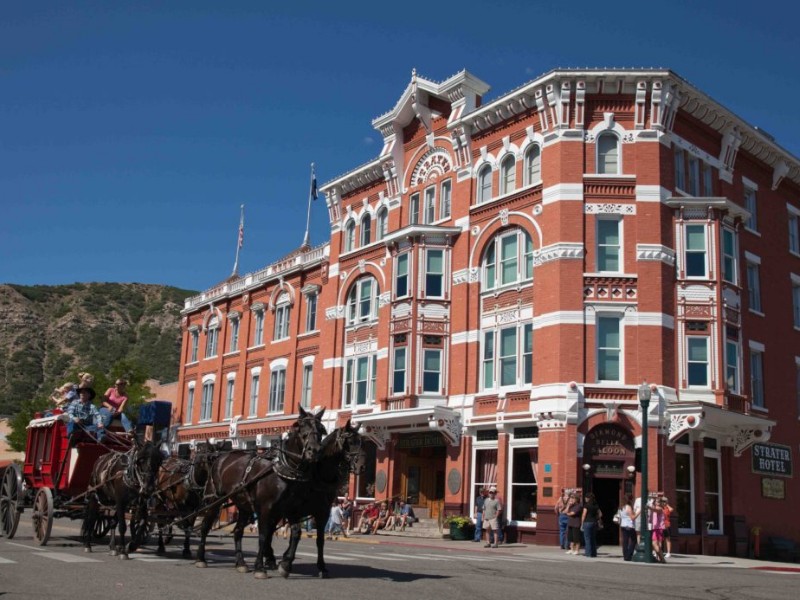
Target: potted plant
(461,527)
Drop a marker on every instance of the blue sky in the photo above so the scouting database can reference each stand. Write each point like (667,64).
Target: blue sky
(130,133)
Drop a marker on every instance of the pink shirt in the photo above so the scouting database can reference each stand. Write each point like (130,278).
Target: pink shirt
(113,398)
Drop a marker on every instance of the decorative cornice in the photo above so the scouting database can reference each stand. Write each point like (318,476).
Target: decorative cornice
(609,209)
(655,252)
(558,251)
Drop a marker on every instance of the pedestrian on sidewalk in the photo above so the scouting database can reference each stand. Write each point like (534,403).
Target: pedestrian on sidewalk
(480,499)
(627,528)
(574,512)
(668,510)
(563,520)
(492,513)
(590,518)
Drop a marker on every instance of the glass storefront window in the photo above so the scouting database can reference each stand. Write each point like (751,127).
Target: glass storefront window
(523,484)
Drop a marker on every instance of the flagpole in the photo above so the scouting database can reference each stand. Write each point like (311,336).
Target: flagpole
(311,194)
(239,240)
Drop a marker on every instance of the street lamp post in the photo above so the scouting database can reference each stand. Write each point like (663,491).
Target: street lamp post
(644,549)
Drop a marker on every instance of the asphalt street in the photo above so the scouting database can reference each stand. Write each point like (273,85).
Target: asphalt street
(372,567)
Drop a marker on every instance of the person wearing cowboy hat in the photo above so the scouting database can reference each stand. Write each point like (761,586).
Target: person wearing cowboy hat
(83,414)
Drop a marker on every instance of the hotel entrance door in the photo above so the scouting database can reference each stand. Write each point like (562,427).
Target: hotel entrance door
(422,479)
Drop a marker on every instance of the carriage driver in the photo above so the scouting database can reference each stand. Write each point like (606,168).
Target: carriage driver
(82,412)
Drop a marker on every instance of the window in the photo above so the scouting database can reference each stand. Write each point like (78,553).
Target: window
(608,245)
(697,361)
(401,276)
(488,360)
(255,384)
(508,174)
(277,386)
(311,312)
(429,216)
(515,250)
(754,286)
(522,504)
(533,165)
(212,338)
(485,470)
(207,401)
(362,301)
(187,417)
(752,207)
(684,504)
(308,380)
(229,388)
(434,274)
(349,236)
(694,176)
(259,333)
(399,371)
(732,365)
(432,370)
(359,381)
(485,184)
(607,154)
(680,169)
(366,230)
(281,321)
(713,492)
(194,342)
(608,349)
(234,335)
(757,377)
(729,258)
(708,180)
(413,213)
(383,224)
(508,356)
(500,352)
(794,233)
(796,303)
(527,353)
(445,202)
(696,251)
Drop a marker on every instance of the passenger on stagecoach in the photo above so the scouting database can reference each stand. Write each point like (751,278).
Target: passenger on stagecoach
(114,401)
(84,415)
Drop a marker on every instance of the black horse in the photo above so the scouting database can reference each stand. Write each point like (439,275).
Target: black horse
(124,481)
(179,493)
(256,483)
(340,455)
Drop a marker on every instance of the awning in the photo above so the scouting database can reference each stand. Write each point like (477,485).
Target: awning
(48,421)
(733,428)
(379,426)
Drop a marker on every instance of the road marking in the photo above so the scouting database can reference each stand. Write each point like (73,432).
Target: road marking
(154,559)
(25,546)
(67,558)
(369,556)
(418,556)
(6,561)
(327,556)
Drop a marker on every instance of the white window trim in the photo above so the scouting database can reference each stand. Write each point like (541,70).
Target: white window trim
(707,340)
(794,211)
(518,445)
(684,249)
(616,136)
(190,388)
(707,453)
(405,349)
(444,274)
(736,279)
(688,449)
(230,377)
(757,348)
(620,233)
(737,385)
(620,315)
(409,280)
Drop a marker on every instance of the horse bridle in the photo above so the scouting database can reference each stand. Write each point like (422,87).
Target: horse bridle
(296,469)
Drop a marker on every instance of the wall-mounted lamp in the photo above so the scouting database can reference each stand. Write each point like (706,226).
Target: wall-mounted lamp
(586,480)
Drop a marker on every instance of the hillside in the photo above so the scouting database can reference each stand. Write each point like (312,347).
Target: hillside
(47,333)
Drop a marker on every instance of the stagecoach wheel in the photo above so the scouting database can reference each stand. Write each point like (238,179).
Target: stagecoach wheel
(102,526)
(43,515)
(10,492)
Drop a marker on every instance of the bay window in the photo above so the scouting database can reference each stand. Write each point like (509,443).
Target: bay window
(359,381)
(515,251)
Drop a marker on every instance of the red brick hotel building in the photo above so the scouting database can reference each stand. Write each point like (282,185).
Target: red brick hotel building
(499,282)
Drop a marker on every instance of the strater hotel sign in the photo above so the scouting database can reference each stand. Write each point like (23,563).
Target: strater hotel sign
(772,459)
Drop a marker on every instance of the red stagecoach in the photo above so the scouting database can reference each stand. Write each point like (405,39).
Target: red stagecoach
(54,480)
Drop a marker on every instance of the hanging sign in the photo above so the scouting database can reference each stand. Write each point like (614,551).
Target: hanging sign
(772,459)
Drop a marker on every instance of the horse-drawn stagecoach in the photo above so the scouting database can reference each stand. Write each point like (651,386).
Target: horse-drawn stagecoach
(54,481)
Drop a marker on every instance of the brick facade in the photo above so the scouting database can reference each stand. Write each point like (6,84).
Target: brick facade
(500,281)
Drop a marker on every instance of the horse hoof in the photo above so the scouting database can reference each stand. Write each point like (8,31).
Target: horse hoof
(242,569)
(87,549)
(201,564)
(261,575)
(124,557)
(113,553)
(283,572)
(322,574)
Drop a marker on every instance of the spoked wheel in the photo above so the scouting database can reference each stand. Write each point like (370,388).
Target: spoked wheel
(43,516)
(10,495)
(102,526)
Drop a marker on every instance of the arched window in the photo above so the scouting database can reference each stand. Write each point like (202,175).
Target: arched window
(607,154)
(508,175)
(508,259)
(485,184)
(366,230)
(533,165)
(349,236)
(362,301)
(383,224)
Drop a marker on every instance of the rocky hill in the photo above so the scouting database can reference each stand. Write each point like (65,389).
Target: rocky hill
(47,333)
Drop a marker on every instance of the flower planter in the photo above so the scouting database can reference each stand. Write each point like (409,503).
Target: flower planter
(465,532)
